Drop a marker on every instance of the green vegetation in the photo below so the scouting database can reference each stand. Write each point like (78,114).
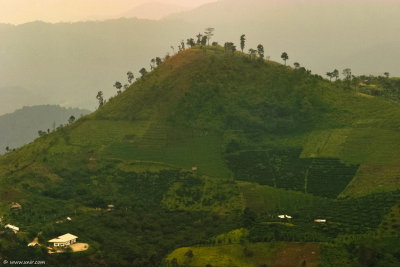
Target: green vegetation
(225,255)
(200,156)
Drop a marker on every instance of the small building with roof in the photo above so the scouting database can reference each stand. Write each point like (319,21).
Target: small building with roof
(64,240)
(12,227)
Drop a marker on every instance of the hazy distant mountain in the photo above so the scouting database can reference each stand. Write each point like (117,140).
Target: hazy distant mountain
(68,63)
(155,10)
(22,126)
(12,98)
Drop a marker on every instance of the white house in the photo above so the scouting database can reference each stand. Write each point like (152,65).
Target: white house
(12,227)
(320,220)
(64,240)
(284,216)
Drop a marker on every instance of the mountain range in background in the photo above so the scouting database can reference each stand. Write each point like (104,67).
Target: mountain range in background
(151,11)
(22,126)
(68,63)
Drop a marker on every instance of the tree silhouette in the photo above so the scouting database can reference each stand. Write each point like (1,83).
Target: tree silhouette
(242,42)
(347,74)
(285,57)
(100,98)
(153,63)
(190,42)
(183,45)
(41,133)
(209,33)
(229,47)
(118,85)
(335,74)
(296,65)
(260,51)
(143,71)
(203,40)
(387,74)
(71,119)
(330,75)
(7,148)
(252,53)
(158,61)
(199,36)
(130,76)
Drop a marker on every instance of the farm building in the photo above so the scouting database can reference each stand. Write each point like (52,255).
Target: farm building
(12,227)
(284,216)
(64,240)
(15,206)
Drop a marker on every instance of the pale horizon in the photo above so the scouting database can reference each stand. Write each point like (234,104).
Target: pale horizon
(54,11)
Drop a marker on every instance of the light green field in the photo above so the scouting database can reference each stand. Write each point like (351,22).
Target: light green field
(268,199)
(227,255)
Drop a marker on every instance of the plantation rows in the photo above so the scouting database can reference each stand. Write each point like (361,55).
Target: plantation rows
(343,216)
(328,177)
(284,169)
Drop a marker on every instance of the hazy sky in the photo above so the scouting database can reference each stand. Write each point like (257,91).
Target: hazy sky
(22,11)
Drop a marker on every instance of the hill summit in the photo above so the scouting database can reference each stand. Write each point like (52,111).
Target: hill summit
(209,137)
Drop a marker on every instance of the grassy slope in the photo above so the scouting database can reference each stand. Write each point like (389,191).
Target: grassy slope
(186,111)
(248,255)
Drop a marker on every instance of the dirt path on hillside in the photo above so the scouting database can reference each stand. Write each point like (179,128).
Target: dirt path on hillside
(298,255)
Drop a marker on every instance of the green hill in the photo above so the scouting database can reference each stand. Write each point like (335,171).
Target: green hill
(206,143)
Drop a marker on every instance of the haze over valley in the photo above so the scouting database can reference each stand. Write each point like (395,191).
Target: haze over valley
(67,63)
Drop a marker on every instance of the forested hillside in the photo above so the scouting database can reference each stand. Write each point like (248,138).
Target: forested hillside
(214,158)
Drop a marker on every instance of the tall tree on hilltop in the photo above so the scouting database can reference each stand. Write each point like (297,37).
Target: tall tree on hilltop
(335,74)
(71,119)
(330,75)
(100,98)
(130,76)
(209,33)
(252,53)
(242,42)
(229,47)
(260,51)
(118,85)
(190,42)
(204,40)
(296,65)
(158,61)
(183,45)
(199,36)
(285,57)
(143,71)
(387,74)
(347,74)
(152,63)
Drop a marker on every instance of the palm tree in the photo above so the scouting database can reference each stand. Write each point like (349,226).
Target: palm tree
(285,57)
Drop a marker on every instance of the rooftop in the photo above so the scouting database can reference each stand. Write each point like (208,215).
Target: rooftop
(63,238)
